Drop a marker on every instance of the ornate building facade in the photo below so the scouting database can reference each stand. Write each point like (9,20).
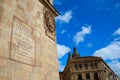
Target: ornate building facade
(86,68)
(28,40)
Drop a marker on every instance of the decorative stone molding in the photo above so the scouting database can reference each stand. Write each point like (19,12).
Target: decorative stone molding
(49,24)
(47,4)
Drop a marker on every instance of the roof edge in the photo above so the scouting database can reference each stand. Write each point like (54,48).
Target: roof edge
(50,6)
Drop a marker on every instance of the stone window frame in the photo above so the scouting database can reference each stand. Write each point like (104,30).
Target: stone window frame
(80,66)
(86,66)
(92,65)
(76,66)
(96,65)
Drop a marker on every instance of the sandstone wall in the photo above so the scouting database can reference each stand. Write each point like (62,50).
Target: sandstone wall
(27,52)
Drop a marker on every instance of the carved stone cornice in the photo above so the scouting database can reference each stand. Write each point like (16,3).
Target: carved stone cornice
(48,5)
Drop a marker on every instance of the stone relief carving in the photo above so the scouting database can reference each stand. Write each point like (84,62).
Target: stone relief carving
(49,24)
(21,4)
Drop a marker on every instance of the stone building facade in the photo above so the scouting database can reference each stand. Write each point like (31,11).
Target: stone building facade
(86,68)
(28,40)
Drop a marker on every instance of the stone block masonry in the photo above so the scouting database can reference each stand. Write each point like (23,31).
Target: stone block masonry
(27,40)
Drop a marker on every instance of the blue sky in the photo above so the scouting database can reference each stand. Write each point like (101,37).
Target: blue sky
(92,26)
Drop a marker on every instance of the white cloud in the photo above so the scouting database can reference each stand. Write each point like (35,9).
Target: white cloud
(117,6)
(117,32)
(110,52)
(56,2)
(66,17)
(69,35)
(115,66)
(100,1)
(63,31)
(117,39)
(79,37)
(61,67)
(89,45)
(62,50)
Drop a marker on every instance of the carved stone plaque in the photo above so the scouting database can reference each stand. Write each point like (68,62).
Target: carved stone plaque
(22,47)
(49,24)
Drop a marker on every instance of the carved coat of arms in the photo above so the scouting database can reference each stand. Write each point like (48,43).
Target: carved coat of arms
(49,24)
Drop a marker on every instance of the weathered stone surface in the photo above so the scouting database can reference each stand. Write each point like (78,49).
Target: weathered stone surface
(26,52)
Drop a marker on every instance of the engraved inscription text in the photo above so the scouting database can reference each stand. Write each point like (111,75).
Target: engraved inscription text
(22,42)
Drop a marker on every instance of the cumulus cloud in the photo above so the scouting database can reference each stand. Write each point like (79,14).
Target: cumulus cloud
(63,31)
(79,37)
(117,39)
(117,32)
(110,52)
(89,45)
(66,17)
(62,50)
(56,2)
(117,6)
(115,65)
(61,67)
